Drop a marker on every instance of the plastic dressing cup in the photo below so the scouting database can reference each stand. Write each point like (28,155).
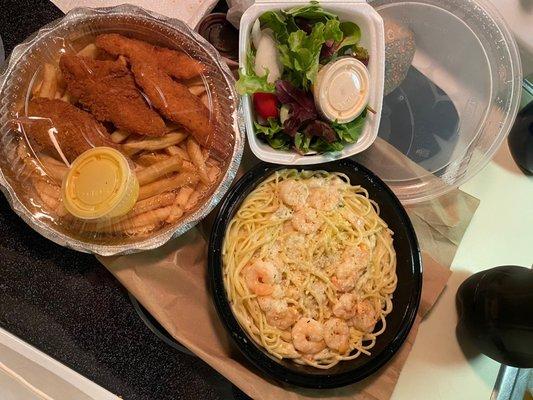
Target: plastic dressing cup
(341,89)
(100,184)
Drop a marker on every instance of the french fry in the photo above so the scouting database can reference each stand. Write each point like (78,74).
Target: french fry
(205,99)
(156,216)
(205,153)
(26,157)
(197,90)
(159,169)
(151,203)
(140,231)
(67,97)
(50,195)
(37,88)
(183,196)
(50,202)
(167,184)
(197,158)
(141,207)
(193,200)
(146,160)
(154,143)
(188,166)
(45,188)
(54,168)
(90,51)
(175,214)
(213,172)
(49,84)
(119,136)
(176,150)
(50,160)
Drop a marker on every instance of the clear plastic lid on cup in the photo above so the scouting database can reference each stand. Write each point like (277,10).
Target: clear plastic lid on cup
(452,83)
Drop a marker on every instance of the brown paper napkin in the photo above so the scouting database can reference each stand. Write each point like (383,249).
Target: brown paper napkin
(171,283)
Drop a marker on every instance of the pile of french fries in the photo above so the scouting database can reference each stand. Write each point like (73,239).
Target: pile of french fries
(174,172)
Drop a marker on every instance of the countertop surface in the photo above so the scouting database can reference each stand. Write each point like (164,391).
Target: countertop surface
(67,305)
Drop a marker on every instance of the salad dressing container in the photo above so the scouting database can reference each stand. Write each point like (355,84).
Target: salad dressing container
(341,89)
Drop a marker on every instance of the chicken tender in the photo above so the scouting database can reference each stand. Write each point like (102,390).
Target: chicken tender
(175,63)
(176,103)
(75,130)
(108,90)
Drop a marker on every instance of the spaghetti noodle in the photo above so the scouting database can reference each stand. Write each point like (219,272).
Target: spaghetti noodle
(309,267)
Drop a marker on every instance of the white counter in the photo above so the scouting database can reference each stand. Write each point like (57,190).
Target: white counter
(500,233)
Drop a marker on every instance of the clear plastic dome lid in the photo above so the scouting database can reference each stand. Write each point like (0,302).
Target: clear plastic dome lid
(452,88)
(119,129)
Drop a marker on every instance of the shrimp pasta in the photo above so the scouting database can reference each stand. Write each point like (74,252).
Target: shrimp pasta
(309,268)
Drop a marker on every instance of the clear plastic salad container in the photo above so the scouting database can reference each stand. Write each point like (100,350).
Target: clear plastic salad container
(112,145)
(455,101)
(372,38)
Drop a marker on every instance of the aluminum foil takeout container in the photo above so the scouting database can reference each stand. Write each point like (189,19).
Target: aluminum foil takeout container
(23,168)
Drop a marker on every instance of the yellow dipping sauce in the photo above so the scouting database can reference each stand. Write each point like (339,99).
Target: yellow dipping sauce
(100,184)
(341,89)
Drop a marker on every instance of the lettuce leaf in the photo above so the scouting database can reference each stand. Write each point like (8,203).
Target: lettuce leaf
(249,82)
(277,22)
(313,12)
(351,34)
(300,55)
(350,131)
(270,129)
(302,142)
(322,146)
(273,134)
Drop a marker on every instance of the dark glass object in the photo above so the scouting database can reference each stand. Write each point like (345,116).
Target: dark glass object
(221,34)
(496,313)
(406,297)
(521,140)
(420,120)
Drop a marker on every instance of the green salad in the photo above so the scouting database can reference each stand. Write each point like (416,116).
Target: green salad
(289,48)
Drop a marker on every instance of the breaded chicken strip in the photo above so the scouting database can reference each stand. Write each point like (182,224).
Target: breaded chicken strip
(108,90)
(175,63)
(176,103)
(75,130)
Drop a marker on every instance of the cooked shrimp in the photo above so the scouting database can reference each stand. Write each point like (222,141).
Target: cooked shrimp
(365,316)
(308,336)
(260,277)
(293,193)
(360,255)
(345,307)
(277,312)
(282,318)
(346,276)
(324,198)
(267,303)
(306,221)
(337,335)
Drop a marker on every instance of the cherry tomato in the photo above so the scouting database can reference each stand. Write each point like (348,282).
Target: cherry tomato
(265,105)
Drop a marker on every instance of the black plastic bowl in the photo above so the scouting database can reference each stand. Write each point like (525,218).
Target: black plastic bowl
(405,301)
